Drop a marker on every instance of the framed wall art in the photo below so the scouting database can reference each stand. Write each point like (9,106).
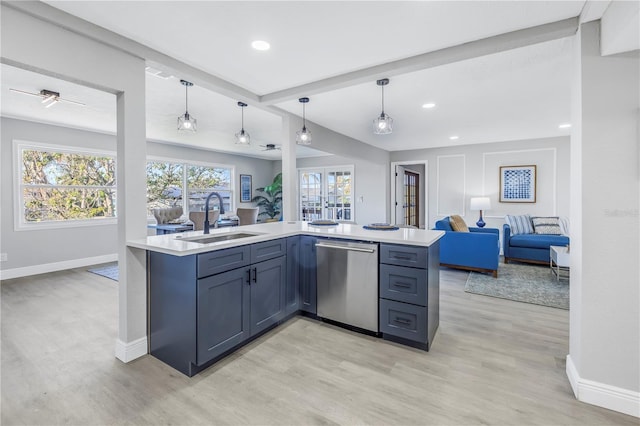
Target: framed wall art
(245,188)
(518,184)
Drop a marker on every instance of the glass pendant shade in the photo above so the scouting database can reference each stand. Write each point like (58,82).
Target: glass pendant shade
(383,124)
(243,137)
(303,136)
(187,123)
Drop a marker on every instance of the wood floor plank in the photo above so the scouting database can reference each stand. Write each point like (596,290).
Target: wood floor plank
(493,361)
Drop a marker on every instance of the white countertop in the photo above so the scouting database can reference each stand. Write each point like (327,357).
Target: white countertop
(173,243)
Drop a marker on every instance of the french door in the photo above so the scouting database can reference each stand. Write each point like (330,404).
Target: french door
(326,193)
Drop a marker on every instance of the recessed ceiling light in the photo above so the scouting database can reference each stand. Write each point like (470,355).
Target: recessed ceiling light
(564,126)
(260,45)
(454,137)
(428,105)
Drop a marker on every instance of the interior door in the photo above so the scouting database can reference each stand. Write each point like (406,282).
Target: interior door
(411,198)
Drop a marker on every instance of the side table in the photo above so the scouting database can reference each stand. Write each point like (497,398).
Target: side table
(559,261)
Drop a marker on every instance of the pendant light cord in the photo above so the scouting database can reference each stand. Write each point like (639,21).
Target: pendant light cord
(186,99)
(382,87)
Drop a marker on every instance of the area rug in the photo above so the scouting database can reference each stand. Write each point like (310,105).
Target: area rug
(522,283)
(108,271)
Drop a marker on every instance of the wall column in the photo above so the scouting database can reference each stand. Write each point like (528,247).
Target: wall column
(602,364)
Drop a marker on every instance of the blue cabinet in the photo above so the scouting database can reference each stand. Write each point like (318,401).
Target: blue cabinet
(223,320)
(203,306)
(292,285)
(409,293)
(267,289)
(308,280)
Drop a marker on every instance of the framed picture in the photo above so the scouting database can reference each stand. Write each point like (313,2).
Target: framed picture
(245,188)
(518,184)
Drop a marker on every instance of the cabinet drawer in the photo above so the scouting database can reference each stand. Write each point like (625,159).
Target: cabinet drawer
(403,320)
(268,250)
(218,261)
(403,284)
(413,256)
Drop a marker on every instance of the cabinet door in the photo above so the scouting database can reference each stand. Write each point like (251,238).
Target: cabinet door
(267,293)
(223,313)
(291,292)
(308,287)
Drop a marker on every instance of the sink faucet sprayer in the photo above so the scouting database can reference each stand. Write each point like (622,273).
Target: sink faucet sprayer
(206,210)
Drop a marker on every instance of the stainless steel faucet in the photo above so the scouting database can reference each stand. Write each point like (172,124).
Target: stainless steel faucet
(206,210)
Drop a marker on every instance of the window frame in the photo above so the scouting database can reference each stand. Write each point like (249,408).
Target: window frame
(185,166)
(19,223)
(324,171)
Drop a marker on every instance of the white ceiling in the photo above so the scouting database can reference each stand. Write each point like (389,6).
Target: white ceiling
(518,94)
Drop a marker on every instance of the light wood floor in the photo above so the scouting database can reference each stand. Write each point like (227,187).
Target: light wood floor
(493,362)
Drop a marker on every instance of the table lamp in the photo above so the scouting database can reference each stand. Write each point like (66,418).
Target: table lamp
(480,203)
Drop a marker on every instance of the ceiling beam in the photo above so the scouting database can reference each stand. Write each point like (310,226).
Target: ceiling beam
(473,49)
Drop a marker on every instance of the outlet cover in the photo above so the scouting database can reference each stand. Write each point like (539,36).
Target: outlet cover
(3,257)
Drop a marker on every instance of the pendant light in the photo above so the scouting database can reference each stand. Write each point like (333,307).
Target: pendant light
(186,122)
(242,137)
(303,136)
(383,125)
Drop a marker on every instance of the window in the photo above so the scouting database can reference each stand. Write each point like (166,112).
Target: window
(64,186)
(168,181)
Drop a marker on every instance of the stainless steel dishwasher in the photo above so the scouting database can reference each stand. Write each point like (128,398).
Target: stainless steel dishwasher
(348,283)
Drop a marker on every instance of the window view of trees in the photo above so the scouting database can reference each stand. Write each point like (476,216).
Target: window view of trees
(166,183)
(62,186)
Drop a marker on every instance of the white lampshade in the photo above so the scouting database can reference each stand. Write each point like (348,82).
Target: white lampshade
(480,203)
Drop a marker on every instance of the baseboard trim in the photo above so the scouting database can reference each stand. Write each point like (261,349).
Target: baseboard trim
(127,352)
(26,271)
(602,395)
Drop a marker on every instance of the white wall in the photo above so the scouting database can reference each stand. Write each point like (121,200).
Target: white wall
(457,173)
(49,246)
(370,185)
(36,251)
(603,365)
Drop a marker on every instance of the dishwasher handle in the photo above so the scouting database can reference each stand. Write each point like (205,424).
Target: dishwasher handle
(345,248)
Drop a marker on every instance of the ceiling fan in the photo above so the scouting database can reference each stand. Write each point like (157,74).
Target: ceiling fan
(270,147)
(49,97)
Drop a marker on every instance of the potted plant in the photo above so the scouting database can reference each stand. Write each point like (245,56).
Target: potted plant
(270,201)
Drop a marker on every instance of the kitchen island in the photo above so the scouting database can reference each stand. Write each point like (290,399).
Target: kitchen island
(210,294)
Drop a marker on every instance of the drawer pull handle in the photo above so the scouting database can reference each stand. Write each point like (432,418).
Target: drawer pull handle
(401,257)
(401,284)
(402,321)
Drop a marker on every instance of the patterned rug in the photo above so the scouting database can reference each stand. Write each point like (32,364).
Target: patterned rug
(109,271)
(522,283)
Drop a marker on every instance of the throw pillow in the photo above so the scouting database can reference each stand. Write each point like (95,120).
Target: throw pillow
(458,224)
(546,225)
(519,224)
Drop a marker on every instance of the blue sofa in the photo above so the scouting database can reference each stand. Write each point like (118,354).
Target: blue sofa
(476,250)
(531,248)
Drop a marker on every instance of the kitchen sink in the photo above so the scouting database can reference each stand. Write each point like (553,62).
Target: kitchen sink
(207,239)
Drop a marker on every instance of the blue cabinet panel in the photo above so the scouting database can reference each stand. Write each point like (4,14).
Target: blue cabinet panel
(403,320)
(223,313)
(268,250)
(267,293)
(403,284)
(218,261)
(413,256)
(308,279)
(292,294)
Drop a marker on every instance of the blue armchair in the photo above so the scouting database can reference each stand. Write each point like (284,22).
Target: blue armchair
(476,250)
